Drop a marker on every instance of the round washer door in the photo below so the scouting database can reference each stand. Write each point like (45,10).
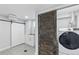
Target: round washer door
(69,40)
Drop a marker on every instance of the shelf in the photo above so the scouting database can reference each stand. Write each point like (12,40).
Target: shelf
(64,17)
(68,29)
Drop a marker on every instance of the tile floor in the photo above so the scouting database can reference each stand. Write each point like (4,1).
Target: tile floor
(19,50)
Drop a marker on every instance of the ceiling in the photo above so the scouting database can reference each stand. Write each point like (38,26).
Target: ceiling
(22,10)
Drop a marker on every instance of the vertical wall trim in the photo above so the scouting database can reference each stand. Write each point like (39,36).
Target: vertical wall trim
(11,34)
(36,33)
(25,32)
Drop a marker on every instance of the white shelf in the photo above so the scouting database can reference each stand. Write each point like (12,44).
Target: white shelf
(68,29)
(65,29)
(64,17)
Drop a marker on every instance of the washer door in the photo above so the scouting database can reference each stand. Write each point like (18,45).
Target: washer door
(69,40)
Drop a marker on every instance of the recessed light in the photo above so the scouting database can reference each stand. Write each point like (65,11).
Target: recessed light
(26,17)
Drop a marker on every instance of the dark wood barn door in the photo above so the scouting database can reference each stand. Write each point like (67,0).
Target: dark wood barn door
(47,34)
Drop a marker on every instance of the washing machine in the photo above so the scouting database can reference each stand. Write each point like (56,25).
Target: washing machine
(67,37)
(68,41)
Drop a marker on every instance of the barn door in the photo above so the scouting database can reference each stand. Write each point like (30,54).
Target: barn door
(47,33)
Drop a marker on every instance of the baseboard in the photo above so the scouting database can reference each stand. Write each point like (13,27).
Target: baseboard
(9,47)
(29,45)
(4,48)
(17,44)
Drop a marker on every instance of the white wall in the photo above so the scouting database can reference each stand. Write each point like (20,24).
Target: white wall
(4,35)
(17,34)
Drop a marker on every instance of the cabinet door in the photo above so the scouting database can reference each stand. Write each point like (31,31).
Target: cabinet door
(4,35)
(17,34)
(30,40)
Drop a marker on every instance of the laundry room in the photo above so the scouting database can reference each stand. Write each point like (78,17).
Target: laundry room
(39,29)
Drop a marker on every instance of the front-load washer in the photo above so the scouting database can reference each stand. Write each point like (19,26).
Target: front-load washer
(68,42)
(68,39)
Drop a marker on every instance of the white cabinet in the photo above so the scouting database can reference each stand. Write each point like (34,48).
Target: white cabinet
(30,40)
(30,33)
(17,34)
(5,35)
(68,17)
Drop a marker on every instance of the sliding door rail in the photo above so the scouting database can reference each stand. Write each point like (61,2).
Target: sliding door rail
(11,21)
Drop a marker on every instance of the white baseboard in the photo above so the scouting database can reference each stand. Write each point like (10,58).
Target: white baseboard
(28,44)
(4,48)
(17,44)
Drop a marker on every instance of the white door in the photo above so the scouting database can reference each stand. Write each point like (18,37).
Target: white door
(17,34)
(4,35)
